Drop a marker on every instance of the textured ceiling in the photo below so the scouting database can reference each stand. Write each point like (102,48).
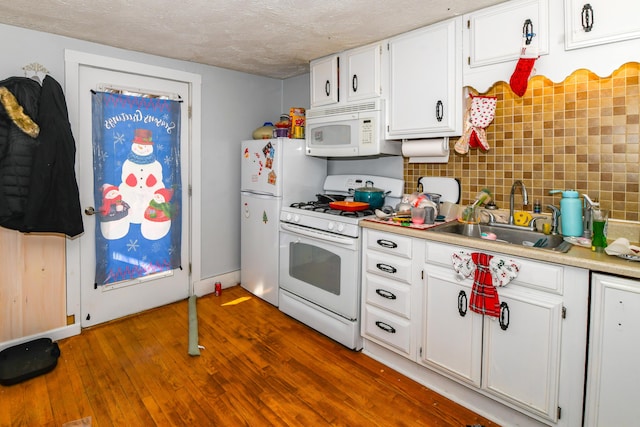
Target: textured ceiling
(273,38)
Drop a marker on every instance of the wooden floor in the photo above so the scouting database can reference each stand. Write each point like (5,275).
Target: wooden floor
(259,368)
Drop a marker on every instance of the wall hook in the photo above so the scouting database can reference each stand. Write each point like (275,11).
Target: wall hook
(35,68)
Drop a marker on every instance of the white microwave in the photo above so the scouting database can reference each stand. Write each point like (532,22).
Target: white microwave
(351,130)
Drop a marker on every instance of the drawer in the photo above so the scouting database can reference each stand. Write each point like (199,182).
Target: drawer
(389,243)
(534,274)
(389,295)
(387,329)
(393,267)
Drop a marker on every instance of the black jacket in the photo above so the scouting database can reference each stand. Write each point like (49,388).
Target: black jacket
(17,148)
(53,203)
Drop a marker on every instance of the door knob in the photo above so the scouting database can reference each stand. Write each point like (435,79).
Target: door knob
(90,211)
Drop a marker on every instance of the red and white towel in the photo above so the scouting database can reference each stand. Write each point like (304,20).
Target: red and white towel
(489,273)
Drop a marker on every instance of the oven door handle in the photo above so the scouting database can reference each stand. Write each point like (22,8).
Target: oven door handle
(317,234)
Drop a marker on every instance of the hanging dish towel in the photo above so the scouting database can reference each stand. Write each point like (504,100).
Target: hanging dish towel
(479,114)
(488,273)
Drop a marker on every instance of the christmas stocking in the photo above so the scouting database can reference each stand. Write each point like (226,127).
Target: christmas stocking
(520,76)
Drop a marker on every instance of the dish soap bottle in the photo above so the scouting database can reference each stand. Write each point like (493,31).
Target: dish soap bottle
(570,213)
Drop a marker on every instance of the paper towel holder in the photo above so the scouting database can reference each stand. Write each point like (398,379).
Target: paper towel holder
(432,150)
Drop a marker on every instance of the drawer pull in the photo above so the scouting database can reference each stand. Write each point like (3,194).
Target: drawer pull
(385,327)
(504,316)
(354,83)
(386,268)
(462,303)
(327,88)
(387,243)
(385,294)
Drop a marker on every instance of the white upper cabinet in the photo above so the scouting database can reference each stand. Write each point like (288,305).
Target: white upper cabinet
(497,34)
(494,38)
(363,72)
(425,82)
(349,76)
(325,89)
(595,22)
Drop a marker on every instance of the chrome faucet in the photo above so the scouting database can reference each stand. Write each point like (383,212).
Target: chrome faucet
(588,211)
(525,200)
(555,217)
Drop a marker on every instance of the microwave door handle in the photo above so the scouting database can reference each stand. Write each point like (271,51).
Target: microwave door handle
(324,236)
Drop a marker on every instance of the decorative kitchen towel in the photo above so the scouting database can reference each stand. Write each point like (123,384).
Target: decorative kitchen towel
(489,273)
(479,114)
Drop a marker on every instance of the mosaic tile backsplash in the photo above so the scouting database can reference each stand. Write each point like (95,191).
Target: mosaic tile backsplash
(581,134)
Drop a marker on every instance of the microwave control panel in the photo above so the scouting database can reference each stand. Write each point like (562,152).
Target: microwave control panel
(367,131)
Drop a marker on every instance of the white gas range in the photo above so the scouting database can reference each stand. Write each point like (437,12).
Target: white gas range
(320,265)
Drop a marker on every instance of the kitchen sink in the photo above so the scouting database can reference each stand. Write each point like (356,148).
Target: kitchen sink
(513,236)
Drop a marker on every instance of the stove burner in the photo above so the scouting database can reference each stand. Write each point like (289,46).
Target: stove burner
(317,206)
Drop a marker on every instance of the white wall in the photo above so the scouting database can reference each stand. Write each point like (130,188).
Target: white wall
(233,105)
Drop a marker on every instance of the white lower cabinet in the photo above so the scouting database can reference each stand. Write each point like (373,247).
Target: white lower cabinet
(514,357)
(526,367)
(614,353)
(389,288)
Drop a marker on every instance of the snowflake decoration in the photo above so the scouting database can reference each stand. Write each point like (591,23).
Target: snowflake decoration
(133,245)
(172,249)
(102,156)
(156,247)
(118,138)
(168,160)
(159,147)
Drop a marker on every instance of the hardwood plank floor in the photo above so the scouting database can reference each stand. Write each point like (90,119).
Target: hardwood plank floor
(259,368)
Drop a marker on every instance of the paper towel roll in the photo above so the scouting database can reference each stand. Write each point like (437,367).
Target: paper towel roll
(434,150)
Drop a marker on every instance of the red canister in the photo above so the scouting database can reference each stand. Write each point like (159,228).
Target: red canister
(218,290)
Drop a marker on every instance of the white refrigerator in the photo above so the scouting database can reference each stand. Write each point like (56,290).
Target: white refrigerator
(274,172)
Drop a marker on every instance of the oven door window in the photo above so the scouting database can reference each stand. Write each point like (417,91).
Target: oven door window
(315,266)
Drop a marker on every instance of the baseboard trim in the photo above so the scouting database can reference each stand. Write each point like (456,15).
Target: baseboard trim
(207,286)
(54,334)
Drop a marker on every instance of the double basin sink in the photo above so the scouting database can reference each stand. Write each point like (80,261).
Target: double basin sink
(508,235)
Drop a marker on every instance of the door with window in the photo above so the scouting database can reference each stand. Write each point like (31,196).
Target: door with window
(103,300)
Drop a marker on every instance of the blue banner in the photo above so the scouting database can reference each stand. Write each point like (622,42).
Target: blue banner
(137,188)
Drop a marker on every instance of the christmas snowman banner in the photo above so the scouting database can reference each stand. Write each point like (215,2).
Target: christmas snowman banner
(137,188)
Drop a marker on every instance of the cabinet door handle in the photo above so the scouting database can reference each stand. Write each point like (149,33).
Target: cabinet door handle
(385,294)
(504,316)
(462,303)
(385,327)
(354,83)
(439,110)
(327,88)
(386,268)
(587,18)
(387,243)
(527,31)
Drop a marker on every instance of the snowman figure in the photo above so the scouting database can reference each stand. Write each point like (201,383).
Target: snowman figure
(141,175)
(157,217)
(114,221)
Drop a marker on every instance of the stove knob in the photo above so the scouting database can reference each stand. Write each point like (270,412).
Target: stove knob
(288,217)
(330,225)
(341,227)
